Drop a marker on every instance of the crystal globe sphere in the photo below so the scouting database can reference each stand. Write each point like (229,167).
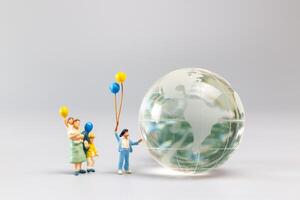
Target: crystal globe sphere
(191,120)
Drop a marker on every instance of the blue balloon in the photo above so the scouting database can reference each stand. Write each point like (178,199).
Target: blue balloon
(114,88)
(88,127)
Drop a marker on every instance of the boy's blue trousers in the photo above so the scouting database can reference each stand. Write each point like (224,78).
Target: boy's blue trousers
(124,159)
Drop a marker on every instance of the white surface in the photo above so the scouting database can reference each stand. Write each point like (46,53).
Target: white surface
(57,52)
(34,164)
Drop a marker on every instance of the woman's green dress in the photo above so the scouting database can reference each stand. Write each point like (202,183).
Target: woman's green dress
(77,153)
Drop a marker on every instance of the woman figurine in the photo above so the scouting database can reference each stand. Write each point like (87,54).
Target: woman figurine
(77,153)
(91,152)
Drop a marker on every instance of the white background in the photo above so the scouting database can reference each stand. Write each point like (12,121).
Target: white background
(67,52)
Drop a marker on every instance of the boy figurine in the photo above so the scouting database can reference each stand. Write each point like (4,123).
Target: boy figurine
(125,148)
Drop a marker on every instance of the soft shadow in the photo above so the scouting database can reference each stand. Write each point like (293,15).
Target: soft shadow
(109,172)
(162,173)
(58,172)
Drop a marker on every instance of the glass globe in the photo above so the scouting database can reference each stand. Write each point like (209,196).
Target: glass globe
(191,120)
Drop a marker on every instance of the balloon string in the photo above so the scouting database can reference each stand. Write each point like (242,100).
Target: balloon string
(116,112)
(121,104)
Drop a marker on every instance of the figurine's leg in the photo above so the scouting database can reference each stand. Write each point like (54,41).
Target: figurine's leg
(90,164)
(81,171)
(93,162)
(126,156)
(76,169)
(121,160)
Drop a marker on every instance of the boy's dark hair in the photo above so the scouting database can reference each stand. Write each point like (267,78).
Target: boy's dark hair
(123,132)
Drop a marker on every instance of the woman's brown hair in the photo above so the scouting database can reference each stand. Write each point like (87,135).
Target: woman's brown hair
(76,120)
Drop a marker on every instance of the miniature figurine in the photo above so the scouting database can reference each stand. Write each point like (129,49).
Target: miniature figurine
(69,124)
(91,152)
(125,144)
(64,112)
(77,153)
(125,148)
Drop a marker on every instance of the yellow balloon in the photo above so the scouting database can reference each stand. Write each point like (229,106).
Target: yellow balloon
(120,77)
(63,111)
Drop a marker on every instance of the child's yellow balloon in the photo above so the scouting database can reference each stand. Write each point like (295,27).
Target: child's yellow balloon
(63,111)
(120,77)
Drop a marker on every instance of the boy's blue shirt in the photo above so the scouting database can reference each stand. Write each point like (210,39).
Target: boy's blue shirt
(131,143)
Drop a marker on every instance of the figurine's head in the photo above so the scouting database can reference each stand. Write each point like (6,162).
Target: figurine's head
(124,133)
(92,137)
(76,123)
(70,120)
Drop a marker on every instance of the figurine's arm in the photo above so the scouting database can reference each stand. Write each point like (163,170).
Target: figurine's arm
(136,143)
(86,144)
(65,122)
(75,136)
(117,136)
(72,136)
(117,126)
(96,151)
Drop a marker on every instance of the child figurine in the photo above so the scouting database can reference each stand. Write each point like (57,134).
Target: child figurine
(125,148)
(91,152)
(69,124)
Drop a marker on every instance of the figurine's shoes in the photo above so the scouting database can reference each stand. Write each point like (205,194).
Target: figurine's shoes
(82,171)
(76,173)
(128,172)
(120,172)
(91,170)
